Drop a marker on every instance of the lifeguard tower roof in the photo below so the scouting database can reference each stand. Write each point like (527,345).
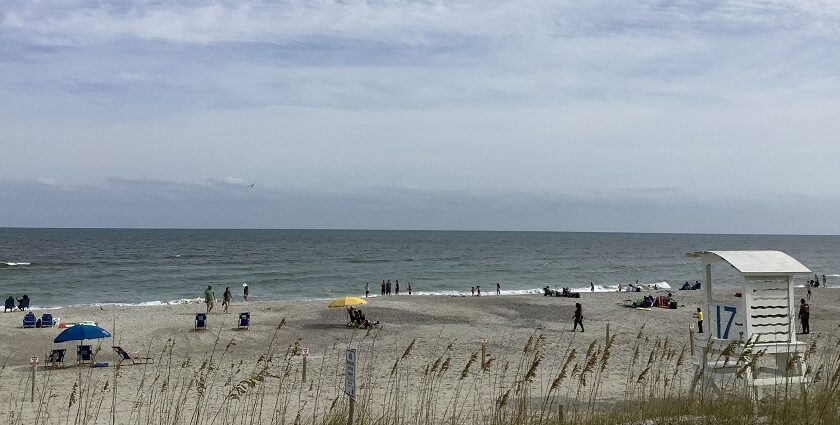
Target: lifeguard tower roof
(762,263)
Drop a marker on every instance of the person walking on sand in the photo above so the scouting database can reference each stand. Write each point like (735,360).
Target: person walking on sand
(367,289)
(227,297)
(409,288)
(805,316)
(578,317)
(498,288)
(209,298)
(699,316)
(245,291)
(397,288)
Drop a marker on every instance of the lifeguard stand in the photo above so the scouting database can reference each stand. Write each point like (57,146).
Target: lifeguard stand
(762,320)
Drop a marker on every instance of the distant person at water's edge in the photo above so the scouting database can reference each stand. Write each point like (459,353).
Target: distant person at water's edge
(472,291)
(409,288)
(209,298)
(245,291)
(383,288)
(478,291)
(699,316)
(367,289)
(388,287)
(397,288)
(578,317)
(591,287)
(805,316)
(498,288)
(227,297)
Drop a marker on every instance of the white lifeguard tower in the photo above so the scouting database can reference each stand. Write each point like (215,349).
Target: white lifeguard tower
(762,321)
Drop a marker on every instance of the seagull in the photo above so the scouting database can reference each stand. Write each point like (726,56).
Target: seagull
(252,185)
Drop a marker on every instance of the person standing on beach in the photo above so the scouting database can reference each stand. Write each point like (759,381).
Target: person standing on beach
(245,291)
(477,290)
(209,298)
(805,316)
(472,291)
(367,289)
(591,287)
(397,288)
(383,288)
(498,288)
(699,316)
(388,287)
(227,297)
(823,280)
(578,317)
(409,288)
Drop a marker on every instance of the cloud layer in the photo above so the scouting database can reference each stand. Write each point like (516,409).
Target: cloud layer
(724,100)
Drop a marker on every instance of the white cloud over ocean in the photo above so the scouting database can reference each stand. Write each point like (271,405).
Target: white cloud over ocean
(733,99)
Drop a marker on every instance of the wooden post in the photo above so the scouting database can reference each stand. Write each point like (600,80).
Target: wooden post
(351,411)
(691,338)
(34,362)
(305,355)
(608,330)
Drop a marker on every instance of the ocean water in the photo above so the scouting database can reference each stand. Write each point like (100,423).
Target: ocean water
(60,267)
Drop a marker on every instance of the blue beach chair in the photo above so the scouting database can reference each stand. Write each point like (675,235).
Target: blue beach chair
(29,320)
(200,322)
(47,320)
(245,320)
(84,354)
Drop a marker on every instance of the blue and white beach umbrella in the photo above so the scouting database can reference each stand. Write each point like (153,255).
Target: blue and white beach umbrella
(82,332)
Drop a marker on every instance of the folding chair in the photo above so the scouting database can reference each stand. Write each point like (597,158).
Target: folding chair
(84,354)
(29,320)
(245,320)
(135,359)
(56,358)
(200,322)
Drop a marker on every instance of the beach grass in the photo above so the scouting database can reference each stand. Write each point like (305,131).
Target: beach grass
(542,380)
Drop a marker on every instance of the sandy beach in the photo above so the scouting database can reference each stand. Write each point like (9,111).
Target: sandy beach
(440,326)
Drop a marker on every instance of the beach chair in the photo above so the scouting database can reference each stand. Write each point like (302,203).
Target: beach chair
(200,322)
(135,358)
(244,321)
(47,320)
(10,305)
(84,354)
(56,358)
(29,320)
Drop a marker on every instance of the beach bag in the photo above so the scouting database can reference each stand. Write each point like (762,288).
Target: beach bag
(672,305)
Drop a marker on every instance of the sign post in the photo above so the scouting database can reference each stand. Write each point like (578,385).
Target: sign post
(350,382)
(34,362)
(305,355)
(483,353)
(691,338)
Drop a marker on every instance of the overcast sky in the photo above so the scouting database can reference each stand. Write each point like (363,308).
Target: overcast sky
(672,116)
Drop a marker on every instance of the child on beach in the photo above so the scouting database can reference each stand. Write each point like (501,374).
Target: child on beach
(227,297)
(699,316)
(578,317)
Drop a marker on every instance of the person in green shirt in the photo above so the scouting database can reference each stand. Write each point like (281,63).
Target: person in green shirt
(209,298)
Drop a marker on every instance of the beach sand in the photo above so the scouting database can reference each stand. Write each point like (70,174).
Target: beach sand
(432,322)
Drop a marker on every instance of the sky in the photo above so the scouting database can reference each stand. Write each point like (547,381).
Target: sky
(639,116)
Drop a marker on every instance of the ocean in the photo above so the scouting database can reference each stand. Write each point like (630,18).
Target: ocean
(62,267)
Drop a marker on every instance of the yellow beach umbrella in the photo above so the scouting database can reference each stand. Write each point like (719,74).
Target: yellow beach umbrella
(345,301)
